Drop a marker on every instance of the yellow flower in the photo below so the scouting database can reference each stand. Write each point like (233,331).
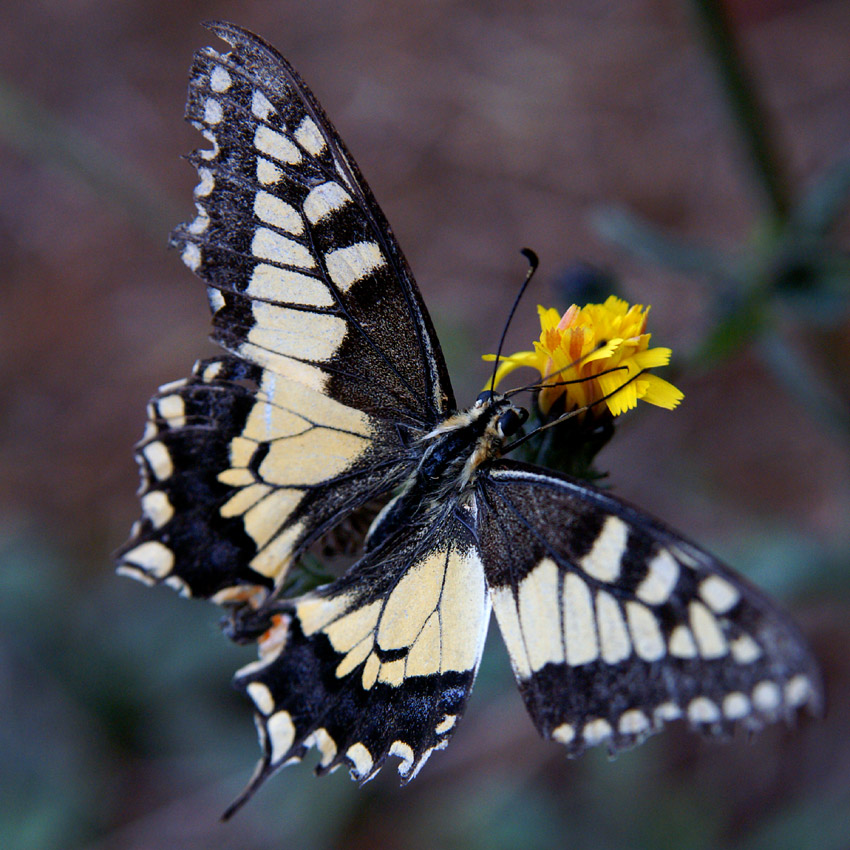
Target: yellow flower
(599,347)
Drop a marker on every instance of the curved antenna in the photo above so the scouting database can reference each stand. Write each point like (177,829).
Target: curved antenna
(569,415)
(533,263)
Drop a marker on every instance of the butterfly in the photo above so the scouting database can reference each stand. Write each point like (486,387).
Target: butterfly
(333,394)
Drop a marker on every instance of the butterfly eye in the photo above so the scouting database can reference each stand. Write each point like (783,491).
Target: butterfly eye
(484,398)
(511,420)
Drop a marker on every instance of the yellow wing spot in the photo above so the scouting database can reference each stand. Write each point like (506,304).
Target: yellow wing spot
(272,246)
(579,622)
(682,643)
(191,256)
(448,722)
(707,632)
(603,560)
(275,145)
(264,520)
(281,732)
(172,408)
(539,615)
(270,283)
(315,612)
(212,112)
(370,671)
(157,508)
(177,583)
(564,734)
(262,697)
(392,672)
(667,711)
(355,657)
(311,458)
(131,571)
(207,184)
(347,631)
(244,500)
(411,602)
(159,460)
(646,633)
(278,213)
(348,265)
(310,336)
(273,560)
(322,741)
(613,635)
(154,557)
(403,751)
(423,659)
(361,759)
(507,616)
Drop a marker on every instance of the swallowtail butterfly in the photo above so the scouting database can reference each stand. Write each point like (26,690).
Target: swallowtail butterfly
(332,393)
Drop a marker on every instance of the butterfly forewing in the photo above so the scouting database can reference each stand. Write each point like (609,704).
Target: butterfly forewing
(339,371)
(614,624)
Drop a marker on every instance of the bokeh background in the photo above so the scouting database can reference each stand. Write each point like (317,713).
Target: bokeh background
(597,131)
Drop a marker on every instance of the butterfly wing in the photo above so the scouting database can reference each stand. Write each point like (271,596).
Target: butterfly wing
(334,366)
(378,664)
(614,624)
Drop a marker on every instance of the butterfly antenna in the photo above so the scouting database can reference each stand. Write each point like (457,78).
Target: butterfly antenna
(533,263)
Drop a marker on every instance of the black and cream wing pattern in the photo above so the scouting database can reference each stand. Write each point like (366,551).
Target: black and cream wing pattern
(332,393)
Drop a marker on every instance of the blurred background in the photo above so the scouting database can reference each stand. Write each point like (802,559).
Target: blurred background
(619,134)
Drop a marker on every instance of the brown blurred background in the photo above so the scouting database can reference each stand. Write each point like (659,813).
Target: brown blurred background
(482,127)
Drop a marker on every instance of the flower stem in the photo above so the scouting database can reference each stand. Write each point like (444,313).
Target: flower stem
(744,105)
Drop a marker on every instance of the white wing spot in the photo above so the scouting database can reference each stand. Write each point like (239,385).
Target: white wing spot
(157,508)
(720,595)
(445,724)
(207,184)
(661,577)
(564,734)
(191,256)
(736,705)
(633,722)
(703,710)
(798,689)
(267,172)
(261,105)
(177,583)
(200,223)
(767,696)
(538,612)
(220,79)
(322,741)
(325,199)
(603,560)
(212,112)
(667,711)
(745,650)
(405,753)
(270,283)
(308,136)
(596,731)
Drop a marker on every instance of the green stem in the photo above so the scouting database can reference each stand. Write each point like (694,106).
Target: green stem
(743,102)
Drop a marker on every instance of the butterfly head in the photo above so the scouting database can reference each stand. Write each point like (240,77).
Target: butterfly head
(505,418)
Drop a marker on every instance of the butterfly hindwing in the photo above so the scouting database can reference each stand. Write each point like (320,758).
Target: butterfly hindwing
(379,663)
(614,624)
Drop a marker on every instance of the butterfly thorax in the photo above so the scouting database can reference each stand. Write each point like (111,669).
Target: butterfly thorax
(453,453)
